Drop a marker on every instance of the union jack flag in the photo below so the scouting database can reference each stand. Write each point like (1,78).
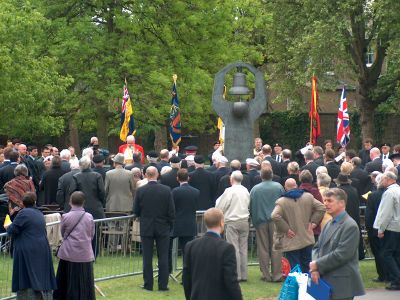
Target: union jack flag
(343,122)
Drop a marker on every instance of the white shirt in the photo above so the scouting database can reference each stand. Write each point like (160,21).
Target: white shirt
(234,203)
(388,215)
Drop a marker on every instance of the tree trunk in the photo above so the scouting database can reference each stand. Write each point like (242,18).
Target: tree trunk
(367,110)
(102,126)
(73,136)
(160,139)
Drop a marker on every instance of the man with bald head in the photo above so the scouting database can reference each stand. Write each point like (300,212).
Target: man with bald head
(376,162)
(295,209)
(216,279)
(155,208)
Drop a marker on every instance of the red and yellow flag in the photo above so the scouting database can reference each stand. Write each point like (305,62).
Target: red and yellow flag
(315,126)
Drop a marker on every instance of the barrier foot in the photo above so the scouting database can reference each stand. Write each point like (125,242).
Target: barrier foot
(99,290)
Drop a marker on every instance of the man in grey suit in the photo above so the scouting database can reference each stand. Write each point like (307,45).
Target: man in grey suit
(119,187)
(335,256)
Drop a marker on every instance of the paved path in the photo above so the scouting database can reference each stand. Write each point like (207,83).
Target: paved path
(380,294)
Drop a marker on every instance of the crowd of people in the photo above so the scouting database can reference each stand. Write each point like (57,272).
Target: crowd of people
(304,205)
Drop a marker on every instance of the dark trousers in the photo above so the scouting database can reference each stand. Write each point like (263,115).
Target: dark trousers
(162,246)
(182,241)
(391,255)
(376,247)
(301,257)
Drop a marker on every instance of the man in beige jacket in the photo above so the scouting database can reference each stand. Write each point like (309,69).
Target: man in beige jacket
(295,215)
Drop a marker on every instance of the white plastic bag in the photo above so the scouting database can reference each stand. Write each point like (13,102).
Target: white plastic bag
(302,280)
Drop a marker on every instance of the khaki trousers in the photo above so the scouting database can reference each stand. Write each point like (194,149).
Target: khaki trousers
(237,233)
(266,254)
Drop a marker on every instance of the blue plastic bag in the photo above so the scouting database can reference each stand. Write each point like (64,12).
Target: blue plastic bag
(290,288)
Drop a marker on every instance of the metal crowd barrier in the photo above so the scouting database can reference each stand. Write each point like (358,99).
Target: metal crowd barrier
(117,248)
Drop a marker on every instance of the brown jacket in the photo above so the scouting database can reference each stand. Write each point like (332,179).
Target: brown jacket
(295,213)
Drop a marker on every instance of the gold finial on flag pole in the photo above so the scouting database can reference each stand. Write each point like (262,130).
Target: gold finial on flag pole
(174,77)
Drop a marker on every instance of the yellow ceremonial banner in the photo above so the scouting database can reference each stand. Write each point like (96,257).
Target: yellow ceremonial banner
(7,221)
(221,128)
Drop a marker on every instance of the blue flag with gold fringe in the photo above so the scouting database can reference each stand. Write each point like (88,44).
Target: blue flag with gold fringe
(175,116)
(127,119)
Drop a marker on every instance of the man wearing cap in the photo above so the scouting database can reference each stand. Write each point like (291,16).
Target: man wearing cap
(98,161)
(170,178)
(190,163)
(152,158)
(190,150)
(278,152)
(129,148)
(385,149)
(204,181)
(262,203)
(252,166)
(376,162)
(222,168)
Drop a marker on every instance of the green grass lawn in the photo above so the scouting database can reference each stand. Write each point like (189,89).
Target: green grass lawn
(129,287)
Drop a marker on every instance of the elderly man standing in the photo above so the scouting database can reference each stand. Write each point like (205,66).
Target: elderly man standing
(376,162)
(155,208)
(262,202)
(335,256)
(295,215)
(234,203)
(387,222)
(130,148)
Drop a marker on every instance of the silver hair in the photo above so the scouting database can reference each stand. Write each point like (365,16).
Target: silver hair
(21,170)
(390,175)
(321,170)
(87,152)
(165,170)
(386,164)
(323,179)
(85,163)
(65,154)
(237,176)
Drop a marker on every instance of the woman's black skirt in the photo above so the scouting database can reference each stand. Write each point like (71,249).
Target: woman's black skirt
(75,281)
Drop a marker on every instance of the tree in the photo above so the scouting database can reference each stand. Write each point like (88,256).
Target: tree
(315,37)
(30,82)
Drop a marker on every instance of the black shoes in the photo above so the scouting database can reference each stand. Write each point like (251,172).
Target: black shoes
(393,287)
(163,289)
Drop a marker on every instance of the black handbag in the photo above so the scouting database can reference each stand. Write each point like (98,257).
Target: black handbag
(58,247)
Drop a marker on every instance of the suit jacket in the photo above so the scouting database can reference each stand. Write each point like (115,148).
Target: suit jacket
(225,183)
(209,270)
(375,165)
(284,171)
(319,161)
(185,201)
(49,184)
(374,199)
(92,185)
(312,167)
(336,255)
(64,183)
(6,174)
(364,179)
(204,181)
(155,208)
(162,164)
(220,172)
(120,189)
(364,155)
(333,169)
(169,179)
(276,167)
(353,202)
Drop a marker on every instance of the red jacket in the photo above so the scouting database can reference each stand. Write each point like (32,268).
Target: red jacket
(123,147)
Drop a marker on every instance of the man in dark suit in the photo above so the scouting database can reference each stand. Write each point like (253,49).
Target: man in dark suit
(185,201)
(225,181)
(364,153)
(330,164)
(64,183)
(335,257)
(385,149)
(7,172)
(252,167)
(374,199)
(276,166)
(216,279)
(359,173)
(286,156)
(222,168)
(318,155)
(310,164)
(164,159)
(376,162)
(155,208)
(204,181)
(169,179)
